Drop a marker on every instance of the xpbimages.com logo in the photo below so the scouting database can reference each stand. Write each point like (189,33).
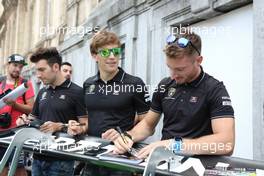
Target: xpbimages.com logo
(117,89)
(200,30)
(68,31)
(41,146)
(206,147)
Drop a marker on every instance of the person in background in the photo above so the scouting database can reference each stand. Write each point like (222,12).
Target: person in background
(15,108)
(66,70)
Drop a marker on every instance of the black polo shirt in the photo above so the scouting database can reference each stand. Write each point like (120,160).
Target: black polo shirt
(115,102)
(61,104)
(189,108)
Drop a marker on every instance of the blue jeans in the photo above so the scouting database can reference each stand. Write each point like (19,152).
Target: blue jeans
(96,170)
(53,168)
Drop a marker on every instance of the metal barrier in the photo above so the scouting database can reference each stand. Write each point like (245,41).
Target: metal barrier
(17,143)
(158,155)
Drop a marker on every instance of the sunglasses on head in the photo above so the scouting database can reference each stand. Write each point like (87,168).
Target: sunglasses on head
(181,42)
(107,52)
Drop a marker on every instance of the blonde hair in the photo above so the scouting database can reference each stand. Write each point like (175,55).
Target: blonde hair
(175,51)
(103,38)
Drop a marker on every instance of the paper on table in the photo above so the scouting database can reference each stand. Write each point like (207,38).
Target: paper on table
(120,158)
(109,147)
(61,141)
(53,145)
(259,172)
(17,92)
(82,144)
(222,165)
(191,162)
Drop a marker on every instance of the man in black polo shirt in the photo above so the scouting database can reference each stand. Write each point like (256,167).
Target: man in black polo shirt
(57,103)
(198,116)
(112,97)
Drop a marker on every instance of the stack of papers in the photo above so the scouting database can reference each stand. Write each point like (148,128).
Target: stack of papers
(120,158)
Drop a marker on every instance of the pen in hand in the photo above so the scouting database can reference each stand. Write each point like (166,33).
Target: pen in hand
(131,151)
(121,134)
(79,124)
(26,121)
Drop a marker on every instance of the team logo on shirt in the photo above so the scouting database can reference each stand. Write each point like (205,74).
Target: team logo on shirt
(193,99)
(116,92)
(90,89)
(43,96)
(147,98)
(62,97)
(171,92)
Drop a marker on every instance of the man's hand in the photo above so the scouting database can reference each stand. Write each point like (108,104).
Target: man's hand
(74,128)
(122,145)
(50,127)
(23,119)
(143,153)
(111,135)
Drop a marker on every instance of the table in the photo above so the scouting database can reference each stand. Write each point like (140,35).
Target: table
(206,160)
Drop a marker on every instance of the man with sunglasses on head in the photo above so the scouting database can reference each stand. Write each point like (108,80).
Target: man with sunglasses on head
(113,97)
(198,116)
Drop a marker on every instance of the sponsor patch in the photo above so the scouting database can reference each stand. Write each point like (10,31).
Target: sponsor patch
(226,103)
(226,98)
(171,92)
(62,97)
(90,89)
(193,99)
(43,96)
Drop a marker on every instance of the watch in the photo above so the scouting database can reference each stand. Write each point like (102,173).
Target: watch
(177,144)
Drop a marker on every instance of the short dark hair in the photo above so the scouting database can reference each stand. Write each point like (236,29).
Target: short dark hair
(66,63)
(51,55)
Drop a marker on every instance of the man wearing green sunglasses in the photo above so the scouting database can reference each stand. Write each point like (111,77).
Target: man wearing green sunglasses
(105,53)
(110,96)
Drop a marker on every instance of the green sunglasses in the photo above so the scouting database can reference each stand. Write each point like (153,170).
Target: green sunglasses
(107,52)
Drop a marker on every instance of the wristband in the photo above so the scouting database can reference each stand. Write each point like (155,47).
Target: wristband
(177,145)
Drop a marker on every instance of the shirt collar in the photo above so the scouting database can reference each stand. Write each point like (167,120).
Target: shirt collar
(198,80)
(65,84)
(119,77)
